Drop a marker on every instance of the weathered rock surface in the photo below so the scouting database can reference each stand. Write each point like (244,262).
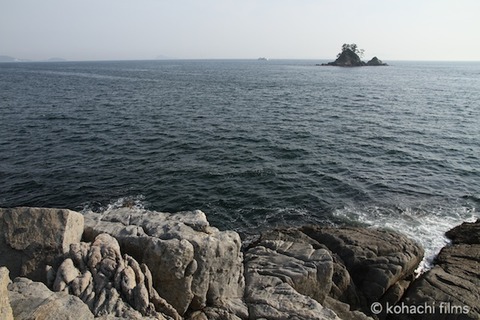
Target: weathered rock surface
(109,283)
(357,267)
(373,265)
(5,308)
(193,265)
(177,266)
(33,300)
(34,237)
(287,280)
(452,287)
(466,233)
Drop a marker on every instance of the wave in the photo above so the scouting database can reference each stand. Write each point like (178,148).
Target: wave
(133,202)
(426,225)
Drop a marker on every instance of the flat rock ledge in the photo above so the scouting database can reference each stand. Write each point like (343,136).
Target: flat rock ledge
(136,264)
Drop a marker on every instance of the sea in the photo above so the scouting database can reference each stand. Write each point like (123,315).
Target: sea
(253,144)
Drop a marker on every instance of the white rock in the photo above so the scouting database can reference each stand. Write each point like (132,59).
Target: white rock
(33,300)
(5,308)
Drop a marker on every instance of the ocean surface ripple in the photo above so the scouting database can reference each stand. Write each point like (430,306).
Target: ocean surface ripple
(253,144)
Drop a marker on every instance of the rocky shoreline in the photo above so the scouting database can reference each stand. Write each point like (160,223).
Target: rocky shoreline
(138,264)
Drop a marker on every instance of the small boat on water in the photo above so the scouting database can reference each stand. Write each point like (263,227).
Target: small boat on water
(262,59)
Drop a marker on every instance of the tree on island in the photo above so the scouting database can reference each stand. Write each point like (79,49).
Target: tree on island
(352,47)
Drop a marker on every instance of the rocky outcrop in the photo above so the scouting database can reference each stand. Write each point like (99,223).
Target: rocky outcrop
(347,58)
(285,278)
(372,265)
(193,265)
(466,233)
(35,237)
(6,312)
(452,287)
(109,283)
(376,62)
(138,264)
(343,270)
(33,300)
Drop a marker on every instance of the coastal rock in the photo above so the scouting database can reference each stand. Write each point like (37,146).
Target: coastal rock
(466,233)
(347,58)
(141,264)
(193,265)
(6,312)
(33,300)
(285,278)
(452,287)
(364,266)
(376,62)
(371,265)
(110,283)
(34,237)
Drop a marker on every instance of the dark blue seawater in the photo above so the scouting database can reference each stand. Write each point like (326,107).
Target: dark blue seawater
(251,143)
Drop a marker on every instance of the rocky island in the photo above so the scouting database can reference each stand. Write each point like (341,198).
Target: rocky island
(131,263)
(350,57)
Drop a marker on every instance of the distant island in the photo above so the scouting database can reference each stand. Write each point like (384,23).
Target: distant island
(56,59)
(7,59)
(350,57)
(13,59)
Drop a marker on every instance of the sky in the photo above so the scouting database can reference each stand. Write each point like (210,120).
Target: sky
(239,29)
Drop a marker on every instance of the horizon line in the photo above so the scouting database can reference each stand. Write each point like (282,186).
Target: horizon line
(216,59)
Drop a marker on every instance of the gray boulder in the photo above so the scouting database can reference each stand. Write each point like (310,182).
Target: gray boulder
(193,265)
(33,300)
(35,237)
(287,279)
(109,283)
(466,233)
(366,266)
(371,265)
(452,286)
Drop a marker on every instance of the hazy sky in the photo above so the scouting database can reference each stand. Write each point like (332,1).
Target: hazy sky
(301,29)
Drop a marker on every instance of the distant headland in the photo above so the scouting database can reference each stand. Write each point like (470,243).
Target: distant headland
(13,59)
(350,57)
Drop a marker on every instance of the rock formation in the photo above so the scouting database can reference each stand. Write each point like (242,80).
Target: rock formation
(34,237)
(376,62)
(380,263)
(193,265)
(6,312)
(452,287)
(108,282)
(33,300)
(138,264)
(347,58)
(344,269)
(287,277)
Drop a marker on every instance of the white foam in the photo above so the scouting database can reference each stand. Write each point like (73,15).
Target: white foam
(426,226)
(136,202)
